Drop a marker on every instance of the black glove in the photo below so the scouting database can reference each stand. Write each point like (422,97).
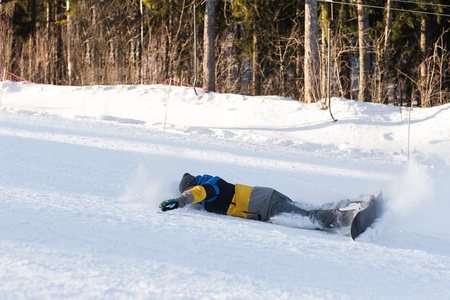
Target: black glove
(169,204)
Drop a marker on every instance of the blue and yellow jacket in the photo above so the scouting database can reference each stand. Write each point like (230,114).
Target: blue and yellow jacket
(218,196)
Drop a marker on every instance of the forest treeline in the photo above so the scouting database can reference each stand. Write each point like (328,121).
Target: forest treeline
(384,51)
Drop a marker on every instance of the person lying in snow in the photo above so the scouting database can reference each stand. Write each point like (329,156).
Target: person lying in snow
(257,203)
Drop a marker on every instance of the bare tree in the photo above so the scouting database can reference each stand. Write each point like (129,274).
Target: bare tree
(324,49)
(69,39)
(298,54)
(383,95)
(423,76)
(256,40)
(364,55)
(59,46)
(311,68)
(6,46)
(143,54)
(209,70)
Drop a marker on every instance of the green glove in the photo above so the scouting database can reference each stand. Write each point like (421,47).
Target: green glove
(169,204)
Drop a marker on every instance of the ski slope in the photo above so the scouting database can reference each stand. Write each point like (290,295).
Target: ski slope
(83,170)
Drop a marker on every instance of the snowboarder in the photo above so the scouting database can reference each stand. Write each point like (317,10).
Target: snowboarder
(257,203)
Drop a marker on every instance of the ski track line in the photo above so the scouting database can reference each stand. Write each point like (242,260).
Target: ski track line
(150,148)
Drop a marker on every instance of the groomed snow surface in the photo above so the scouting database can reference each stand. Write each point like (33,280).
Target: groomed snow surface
(83,170)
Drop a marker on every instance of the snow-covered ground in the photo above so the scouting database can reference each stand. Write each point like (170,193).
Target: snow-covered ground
(83,169)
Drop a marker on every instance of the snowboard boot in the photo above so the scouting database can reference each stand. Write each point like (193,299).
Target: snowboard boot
(332,218)
(356,205)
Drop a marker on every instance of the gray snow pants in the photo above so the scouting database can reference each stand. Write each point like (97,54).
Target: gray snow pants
(277,203)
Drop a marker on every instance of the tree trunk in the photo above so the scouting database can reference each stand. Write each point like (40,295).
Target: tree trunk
(209,62)
(364,55)
(385,83)
(49,15)
(33,10)
(311,68)
(324,52)
(236,53)
(59,44)
(6,45)
(69,37)
(167,42)
(298,53)
(423,81)
(50,18)
(143,52)
(256,85)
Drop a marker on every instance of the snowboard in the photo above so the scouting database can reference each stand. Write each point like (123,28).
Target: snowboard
(365,218)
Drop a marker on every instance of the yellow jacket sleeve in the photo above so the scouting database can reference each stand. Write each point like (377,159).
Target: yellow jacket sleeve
(194,195)
(198,192)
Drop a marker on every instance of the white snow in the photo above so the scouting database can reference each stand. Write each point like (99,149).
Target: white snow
(83,170)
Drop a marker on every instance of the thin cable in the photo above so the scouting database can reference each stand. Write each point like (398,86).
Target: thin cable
(381,7)
(423,3)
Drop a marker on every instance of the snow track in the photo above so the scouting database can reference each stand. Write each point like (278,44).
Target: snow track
(79,215)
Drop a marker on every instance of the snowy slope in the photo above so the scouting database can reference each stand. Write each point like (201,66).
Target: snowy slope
(83,170)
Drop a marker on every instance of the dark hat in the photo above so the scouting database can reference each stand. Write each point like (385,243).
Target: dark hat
(187,181)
